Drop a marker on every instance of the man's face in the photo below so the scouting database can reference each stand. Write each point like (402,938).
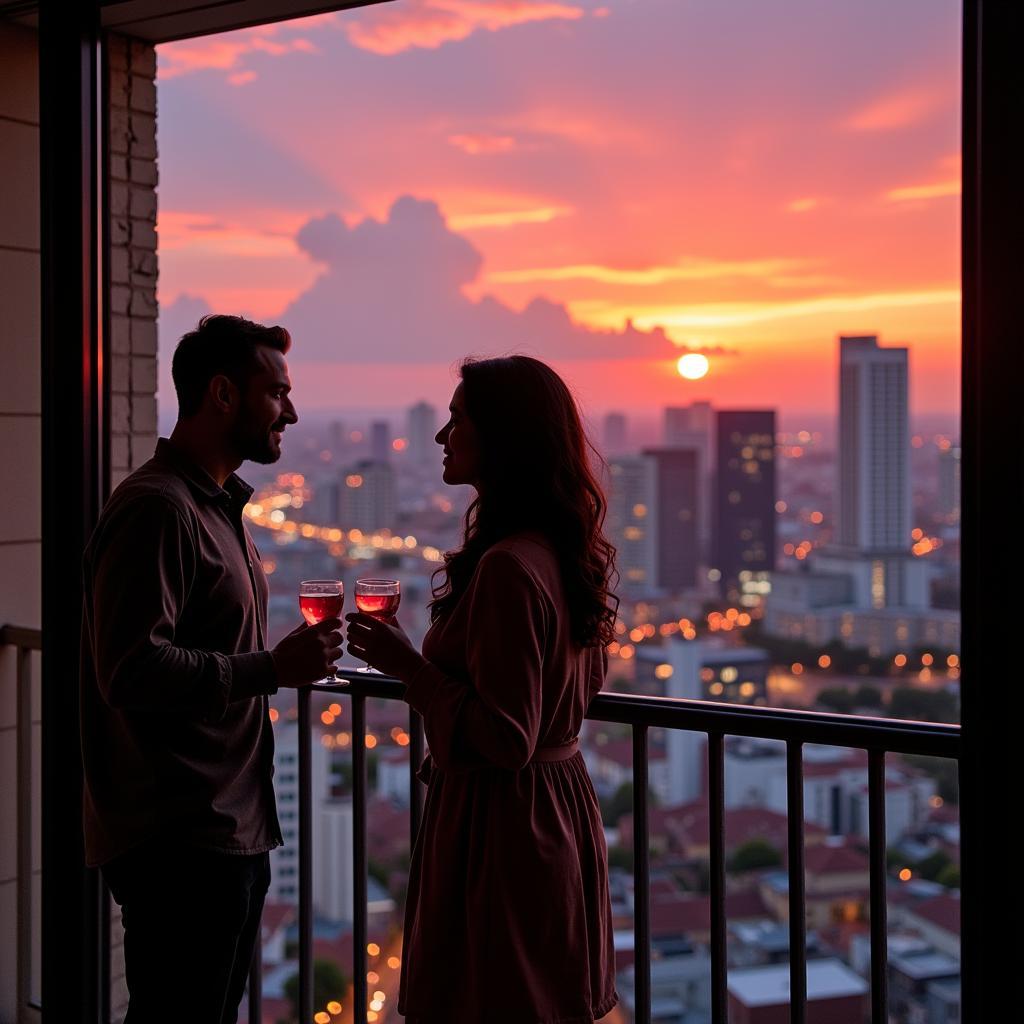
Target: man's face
(265,409)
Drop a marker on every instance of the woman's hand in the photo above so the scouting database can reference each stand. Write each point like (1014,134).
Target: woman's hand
(383,644)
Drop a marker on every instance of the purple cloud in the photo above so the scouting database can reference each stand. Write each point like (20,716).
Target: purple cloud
(394,291)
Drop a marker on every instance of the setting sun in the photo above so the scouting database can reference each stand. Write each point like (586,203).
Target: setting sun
(692,366)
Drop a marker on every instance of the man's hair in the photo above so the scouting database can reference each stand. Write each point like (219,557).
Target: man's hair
(219,345)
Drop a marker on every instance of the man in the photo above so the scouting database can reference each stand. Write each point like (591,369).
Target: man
(179,805)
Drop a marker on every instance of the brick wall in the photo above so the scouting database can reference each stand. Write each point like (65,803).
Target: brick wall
(131,252)
(131,82)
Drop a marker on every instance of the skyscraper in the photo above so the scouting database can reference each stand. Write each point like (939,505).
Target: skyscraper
(874,445)
(949,484)
(693,426)
(368,501)
(380,441)
(420,429)
(631,521)
(676,512)
(873,528)
(744,506)
(614,434)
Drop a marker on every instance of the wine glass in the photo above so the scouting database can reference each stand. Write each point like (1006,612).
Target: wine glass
(319,600)
(379,598)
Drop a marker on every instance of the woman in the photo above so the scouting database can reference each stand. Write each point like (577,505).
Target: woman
(508,918)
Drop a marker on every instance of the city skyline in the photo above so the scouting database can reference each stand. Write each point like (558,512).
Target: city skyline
(628,199)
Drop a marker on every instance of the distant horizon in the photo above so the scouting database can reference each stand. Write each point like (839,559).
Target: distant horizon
(642,423)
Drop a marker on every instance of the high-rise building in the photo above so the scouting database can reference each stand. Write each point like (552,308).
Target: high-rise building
(744,509)
(693,426)
(874,525)
(337,439)
(867,589)
(874,447)
(699,670)
(631,522)
(368,501)
(949,484)
(676,516)
(284,861)
(421,427)
(380,441)
(683,420)
(614,433)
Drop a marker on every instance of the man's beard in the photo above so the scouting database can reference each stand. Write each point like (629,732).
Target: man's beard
(257,447)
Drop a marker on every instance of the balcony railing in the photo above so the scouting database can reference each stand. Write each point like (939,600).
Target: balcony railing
(875,735)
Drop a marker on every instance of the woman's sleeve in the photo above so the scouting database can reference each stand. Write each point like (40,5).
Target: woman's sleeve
(495,720)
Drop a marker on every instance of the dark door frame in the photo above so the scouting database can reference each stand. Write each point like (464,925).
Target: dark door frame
(75,372)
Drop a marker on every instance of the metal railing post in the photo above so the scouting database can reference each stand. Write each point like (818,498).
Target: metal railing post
(797,888)
(359,929)
(305,859)
(716,881)
(641,881)
(879,912)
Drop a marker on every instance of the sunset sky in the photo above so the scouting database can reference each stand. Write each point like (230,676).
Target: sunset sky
(603,184)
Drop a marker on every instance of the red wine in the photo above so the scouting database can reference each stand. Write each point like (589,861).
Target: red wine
(380,606)
(318,607)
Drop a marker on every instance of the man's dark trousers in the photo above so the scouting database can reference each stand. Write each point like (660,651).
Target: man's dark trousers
(192,920)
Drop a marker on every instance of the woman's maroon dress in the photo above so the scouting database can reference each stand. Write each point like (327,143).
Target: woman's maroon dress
(508,918)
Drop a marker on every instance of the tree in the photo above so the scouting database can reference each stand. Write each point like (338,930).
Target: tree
(754,854)
(838,699)
(943,770)
(620,857)
(621,802)
(923,705)
(932,866)
(329,982)
(949,876)
(868,696)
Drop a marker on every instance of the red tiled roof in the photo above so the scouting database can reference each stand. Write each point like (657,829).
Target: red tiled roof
(276,916)
(826,859)
(942,910)
(840,936)
(686,912)
(387,826)
(855,759)
(946,814)
(689,825)
(621,752)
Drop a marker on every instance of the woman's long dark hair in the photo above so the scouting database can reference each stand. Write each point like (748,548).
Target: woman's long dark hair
(535,474)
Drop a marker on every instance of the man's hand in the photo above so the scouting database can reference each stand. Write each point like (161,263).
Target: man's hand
(307,653)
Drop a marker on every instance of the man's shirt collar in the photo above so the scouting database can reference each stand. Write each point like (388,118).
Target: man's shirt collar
(234,491)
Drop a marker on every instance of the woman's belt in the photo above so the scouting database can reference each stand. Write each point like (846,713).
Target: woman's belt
(541,755)
(560,753)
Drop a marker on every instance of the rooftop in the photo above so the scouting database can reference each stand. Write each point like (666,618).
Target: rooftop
(769,985)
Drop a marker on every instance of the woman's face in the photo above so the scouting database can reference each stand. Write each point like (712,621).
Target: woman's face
(461,444)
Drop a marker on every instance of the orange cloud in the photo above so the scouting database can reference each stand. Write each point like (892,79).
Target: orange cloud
(507,218)
(933,190)
(897,111)
(224,53)
(432,23)
(181,229)
(804,205)
(744,314)
(476,143)
(686,270)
